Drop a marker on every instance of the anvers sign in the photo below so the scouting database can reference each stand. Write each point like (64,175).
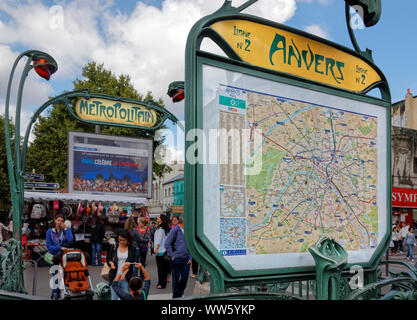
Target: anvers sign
(284,51)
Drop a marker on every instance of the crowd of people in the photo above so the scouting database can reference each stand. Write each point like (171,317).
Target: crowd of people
(113,185)
(403,236)
(127,254)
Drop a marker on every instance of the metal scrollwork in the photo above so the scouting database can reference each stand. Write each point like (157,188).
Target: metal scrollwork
(11,267)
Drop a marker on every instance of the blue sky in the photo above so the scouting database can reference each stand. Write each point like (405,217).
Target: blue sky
(146,39)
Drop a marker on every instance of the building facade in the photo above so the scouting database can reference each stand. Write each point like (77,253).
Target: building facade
(404,159)
(163,191)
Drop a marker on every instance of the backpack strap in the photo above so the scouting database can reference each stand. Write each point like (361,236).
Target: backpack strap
(144,294)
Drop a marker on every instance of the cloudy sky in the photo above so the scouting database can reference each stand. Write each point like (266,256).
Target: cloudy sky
(146,39)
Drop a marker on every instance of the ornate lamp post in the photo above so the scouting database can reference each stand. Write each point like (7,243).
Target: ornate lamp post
(44,66)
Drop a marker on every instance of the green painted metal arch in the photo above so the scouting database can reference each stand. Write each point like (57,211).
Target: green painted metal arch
(201,30)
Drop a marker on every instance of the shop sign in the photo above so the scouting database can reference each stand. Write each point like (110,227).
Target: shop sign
(406,198)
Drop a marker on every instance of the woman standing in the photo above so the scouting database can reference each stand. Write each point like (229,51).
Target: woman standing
(58,238)
(163,265)
(131,227)
(143,240)
(116,258)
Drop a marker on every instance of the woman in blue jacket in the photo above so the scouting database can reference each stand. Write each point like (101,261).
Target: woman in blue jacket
(58,238)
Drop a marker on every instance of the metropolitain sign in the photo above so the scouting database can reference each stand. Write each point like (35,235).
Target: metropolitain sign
(115,112)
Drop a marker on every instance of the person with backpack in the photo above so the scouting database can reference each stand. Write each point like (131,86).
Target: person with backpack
(135,284)
(180,259)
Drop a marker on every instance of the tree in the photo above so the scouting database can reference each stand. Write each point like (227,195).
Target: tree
(5,199)
(48,152)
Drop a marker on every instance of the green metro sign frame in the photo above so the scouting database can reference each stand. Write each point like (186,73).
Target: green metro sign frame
(222,274)
(45,66)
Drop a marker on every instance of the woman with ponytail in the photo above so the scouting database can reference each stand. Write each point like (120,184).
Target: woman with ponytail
(135,284)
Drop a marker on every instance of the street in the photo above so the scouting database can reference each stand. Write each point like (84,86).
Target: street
(43,277)
(43,289)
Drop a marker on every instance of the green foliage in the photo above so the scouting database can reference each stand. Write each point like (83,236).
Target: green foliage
(48,152)
(5,200)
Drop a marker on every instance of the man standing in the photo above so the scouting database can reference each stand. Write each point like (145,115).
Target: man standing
(97,235)
(180,258)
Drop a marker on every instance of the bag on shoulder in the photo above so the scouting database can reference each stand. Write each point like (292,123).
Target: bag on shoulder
(105,271)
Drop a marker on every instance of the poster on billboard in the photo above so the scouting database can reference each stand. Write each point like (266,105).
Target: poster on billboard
(107,164)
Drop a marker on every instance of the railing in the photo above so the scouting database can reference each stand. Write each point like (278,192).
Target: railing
(11,267)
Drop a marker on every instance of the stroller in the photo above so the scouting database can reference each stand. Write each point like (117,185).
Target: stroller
(77,281)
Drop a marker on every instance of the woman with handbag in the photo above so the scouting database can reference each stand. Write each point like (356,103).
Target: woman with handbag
(117,257)
(57,239)
(161,255)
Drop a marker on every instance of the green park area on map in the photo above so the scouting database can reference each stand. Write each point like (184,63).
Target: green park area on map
(319,169)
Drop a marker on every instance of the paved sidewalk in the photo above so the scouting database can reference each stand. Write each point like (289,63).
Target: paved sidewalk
(43,277)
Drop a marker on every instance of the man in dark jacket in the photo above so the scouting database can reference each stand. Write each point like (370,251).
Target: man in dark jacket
(96,239)
(180,259)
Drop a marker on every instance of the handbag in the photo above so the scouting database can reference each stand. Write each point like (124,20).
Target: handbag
(105,271)
(49,258)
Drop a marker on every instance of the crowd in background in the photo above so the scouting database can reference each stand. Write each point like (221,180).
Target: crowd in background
(128,254)
(403,237)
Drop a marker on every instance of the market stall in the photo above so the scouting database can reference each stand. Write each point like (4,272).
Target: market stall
(82,211)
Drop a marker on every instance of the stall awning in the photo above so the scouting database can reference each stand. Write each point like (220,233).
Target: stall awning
(75,197)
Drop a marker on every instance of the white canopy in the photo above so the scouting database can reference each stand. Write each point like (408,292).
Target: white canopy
(76,197)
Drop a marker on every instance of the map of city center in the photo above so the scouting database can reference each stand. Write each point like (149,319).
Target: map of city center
(319,176)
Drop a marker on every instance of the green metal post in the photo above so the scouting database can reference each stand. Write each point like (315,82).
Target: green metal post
(18,209)
(14,166)
(330,258)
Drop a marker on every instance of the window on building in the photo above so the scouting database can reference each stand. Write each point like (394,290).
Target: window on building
(415,164)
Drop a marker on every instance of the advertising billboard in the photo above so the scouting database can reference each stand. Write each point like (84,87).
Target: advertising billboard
(109,165)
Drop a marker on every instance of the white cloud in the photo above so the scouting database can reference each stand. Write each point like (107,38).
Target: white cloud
(317,30)
(147,43)
(322,2)
(36,90)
